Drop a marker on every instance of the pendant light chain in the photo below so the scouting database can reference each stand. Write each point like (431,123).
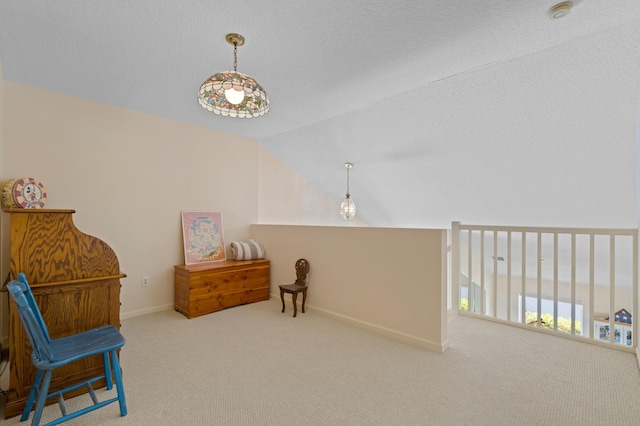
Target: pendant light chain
(235,56)
(348,182)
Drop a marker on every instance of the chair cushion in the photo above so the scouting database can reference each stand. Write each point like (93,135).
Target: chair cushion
(247,250)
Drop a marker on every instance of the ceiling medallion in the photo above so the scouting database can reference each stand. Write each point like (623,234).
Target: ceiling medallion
(560,10)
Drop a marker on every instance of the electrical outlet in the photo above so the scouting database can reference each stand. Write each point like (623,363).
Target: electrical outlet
(145,281)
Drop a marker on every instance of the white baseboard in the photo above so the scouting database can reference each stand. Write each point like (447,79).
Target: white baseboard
(140,312)
(638,356)
(407,338)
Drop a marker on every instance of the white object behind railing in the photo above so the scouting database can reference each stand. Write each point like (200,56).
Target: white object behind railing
(545,277)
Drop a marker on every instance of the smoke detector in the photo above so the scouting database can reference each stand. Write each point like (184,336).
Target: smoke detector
(560,10)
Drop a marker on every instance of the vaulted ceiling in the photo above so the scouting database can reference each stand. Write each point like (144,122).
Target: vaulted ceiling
(458,110)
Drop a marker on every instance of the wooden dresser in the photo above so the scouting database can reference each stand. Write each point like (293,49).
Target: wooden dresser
(75,279)
(209,287)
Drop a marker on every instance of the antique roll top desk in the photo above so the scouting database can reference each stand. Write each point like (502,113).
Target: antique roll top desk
(75,279)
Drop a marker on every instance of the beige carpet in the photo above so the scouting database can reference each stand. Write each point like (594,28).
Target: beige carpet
(252,365)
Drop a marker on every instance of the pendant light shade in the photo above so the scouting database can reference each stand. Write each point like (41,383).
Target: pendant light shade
(232,93)
(348,207)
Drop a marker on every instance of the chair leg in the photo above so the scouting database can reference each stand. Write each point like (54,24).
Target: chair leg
(32,395)
(107,370)
(42,397)
(304,299)
(294,296)
(282,298)
(119,387)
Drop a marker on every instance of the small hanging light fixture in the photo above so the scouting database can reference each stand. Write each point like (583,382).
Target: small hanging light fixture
(232,93)
(348,207)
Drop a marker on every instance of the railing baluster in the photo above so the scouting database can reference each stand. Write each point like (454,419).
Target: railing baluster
(539,279)
(495,274)
(573,283)
(482,301)
(471,302)
(555,281)
(612,288)
(524,279)
(455,267)
(509,276)
(592,284)
(634,325)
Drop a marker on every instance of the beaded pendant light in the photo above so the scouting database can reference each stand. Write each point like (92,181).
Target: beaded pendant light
(232,93)
(348,207)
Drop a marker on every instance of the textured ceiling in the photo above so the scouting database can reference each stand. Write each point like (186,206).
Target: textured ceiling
(364,81)
(315,59)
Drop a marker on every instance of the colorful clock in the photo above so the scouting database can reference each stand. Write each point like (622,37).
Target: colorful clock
(29,193)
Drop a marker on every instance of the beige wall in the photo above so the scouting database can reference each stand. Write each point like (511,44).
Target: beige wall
(287,198)
(128,175)
(392,280)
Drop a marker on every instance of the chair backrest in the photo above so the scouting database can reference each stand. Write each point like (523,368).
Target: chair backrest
(31,318)
(302,270)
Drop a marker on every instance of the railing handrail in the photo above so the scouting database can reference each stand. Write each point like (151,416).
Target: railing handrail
(550,230)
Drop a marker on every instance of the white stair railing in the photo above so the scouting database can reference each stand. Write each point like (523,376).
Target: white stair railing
(575,282)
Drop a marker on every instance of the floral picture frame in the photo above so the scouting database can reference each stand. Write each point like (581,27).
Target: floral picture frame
(203,237)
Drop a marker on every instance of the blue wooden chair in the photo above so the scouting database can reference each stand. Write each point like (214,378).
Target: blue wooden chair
(50,354)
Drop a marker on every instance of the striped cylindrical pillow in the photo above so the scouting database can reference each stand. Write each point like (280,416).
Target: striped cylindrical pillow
(247,250)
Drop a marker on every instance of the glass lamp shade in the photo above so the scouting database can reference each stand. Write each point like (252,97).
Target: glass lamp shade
(348,208)
(212,95)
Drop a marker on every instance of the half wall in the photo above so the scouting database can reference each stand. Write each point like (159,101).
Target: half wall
(390,280)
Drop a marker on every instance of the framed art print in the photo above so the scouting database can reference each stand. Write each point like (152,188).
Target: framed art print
(203,237)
